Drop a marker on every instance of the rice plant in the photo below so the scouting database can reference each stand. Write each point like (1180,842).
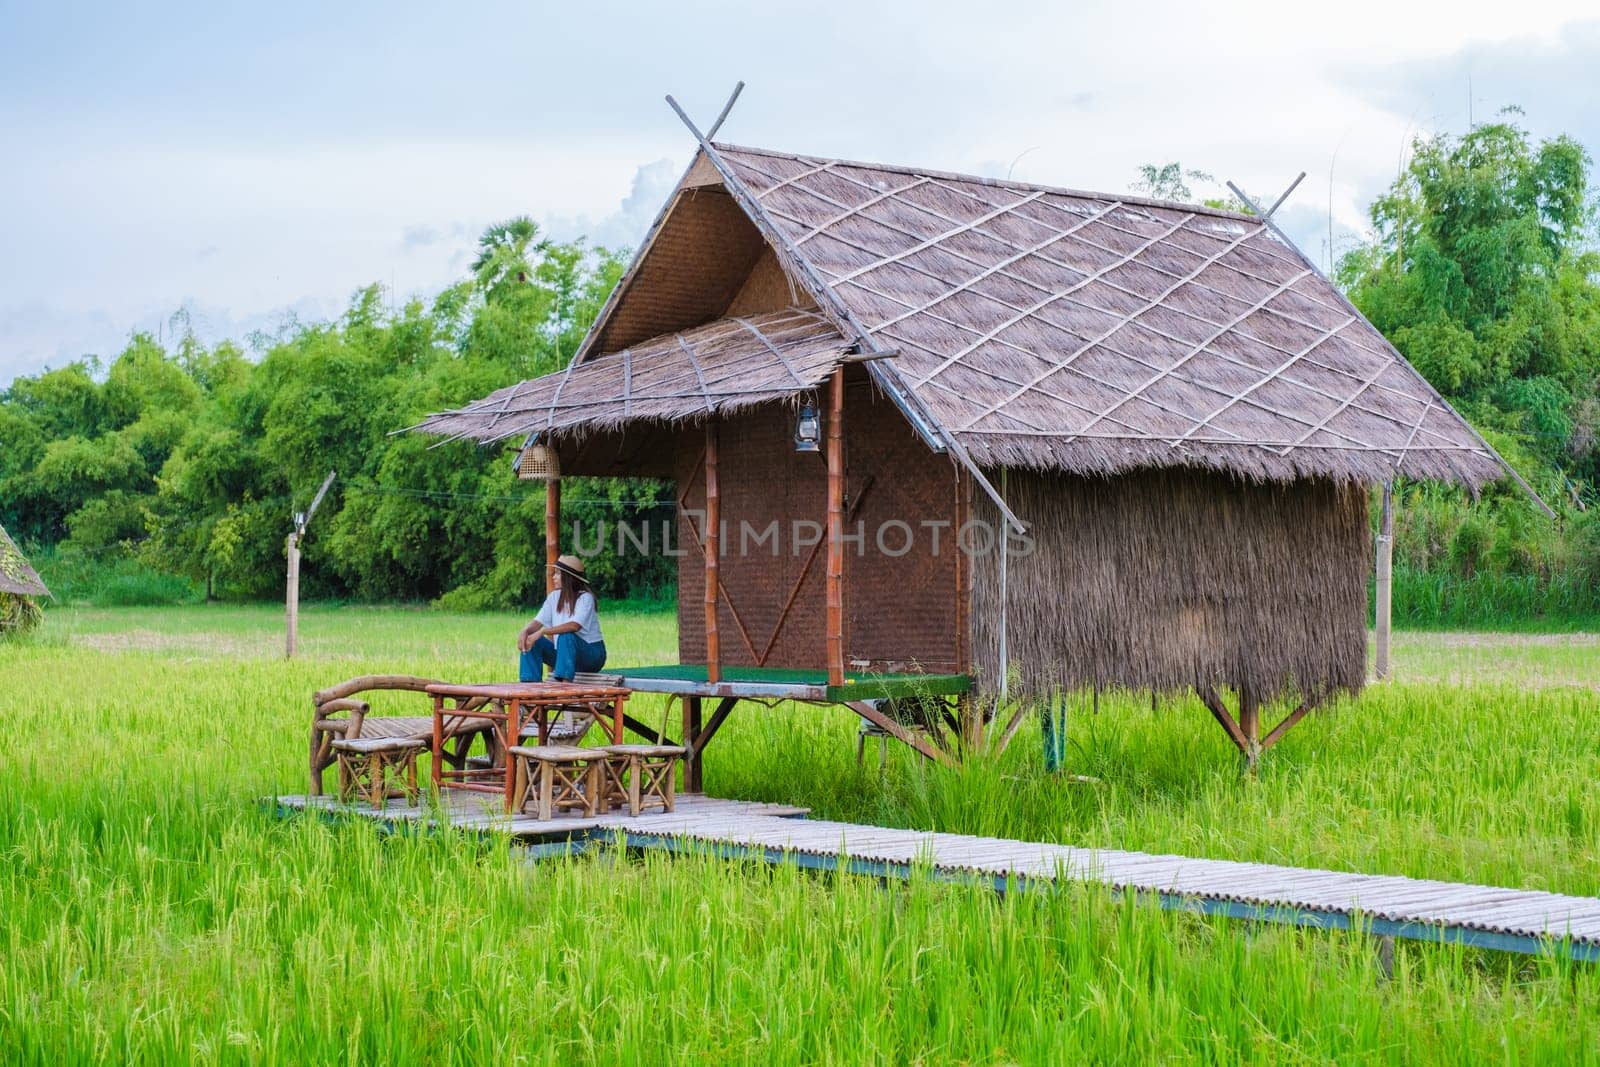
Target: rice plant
(155,911)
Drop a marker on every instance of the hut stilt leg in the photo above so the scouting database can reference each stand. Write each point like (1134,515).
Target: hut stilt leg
(1276,733)
(1225,719)
(1250,726)
(1012,726)
(970,712)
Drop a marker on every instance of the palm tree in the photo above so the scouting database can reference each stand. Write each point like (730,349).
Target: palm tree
(502,261)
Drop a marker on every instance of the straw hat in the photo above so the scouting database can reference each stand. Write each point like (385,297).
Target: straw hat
(572,565)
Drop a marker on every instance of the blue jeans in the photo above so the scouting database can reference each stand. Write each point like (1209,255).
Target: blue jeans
(567,655)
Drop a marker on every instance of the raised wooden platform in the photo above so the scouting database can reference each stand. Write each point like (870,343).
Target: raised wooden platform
(1515,920)
(466,810)
(779,683)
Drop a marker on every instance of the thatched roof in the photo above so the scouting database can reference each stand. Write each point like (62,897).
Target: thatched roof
(1036,327)
(1086,332)
(15,574)
(728,364)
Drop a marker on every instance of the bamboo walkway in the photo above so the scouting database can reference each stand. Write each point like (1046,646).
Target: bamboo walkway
(1514,920)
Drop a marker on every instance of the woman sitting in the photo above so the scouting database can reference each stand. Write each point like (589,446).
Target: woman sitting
(565,635)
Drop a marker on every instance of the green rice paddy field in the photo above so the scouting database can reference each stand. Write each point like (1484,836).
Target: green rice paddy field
(154,911)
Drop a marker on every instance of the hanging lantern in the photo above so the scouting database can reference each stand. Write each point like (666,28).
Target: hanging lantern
(807,430)
(538,462)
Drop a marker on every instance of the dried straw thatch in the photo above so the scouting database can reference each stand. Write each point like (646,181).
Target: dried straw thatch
(1054,329)
(1036,327)
(1173,579)
(16,576)
(730,364)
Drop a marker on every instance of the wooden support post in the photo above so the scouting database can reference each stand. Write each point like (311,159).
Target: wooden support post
(1276,733)
(1018,716)
(649,733)
(292,586)
(865,709)
(691,739)
(835,578)
(1384,587)
(1250,727)
(552,532)
(1219,711)
(713,552)
(292,596)
(971,709)
(718,717)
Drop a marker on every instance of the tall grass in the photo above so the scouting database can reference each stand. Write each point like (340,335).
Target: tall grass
(111,579)
(154,912)
(1442,599)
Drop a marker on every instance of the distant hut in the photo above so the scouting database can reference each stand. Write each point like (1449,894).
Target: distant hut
(1183,414)
(19,584)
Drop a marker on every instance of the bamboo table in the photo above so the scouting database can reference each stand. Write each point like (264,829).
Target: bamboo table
(511,706)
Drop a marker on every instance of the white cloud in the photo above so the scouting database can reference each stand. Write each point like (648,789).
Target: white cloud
(219,184)
(625,226)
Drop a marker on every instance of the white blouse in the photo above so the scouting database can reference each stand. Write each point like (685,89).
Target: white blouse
(583,613)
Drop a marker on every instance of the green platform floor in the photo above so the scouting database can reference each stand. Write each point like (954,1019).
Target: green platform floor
(857,686)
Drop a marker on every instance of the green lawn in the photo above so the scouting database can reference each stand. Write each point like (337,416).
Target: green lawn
(155,912)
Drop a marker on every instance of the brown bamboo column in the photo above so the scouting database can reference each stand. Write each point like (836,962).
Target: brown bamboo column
(713,543)
(552,532)
(835,585)
(692,766)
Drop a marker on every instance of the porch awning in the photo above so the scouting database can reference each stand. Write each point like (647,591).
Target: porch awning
(722,366)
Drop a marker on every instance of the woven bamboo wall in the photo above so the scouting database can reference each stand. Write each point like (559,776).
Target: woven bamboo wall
(900,609)
(700,260)
(1167,580)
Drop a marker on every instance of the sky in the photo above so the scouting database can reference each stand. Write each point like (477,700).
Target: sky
(256,164)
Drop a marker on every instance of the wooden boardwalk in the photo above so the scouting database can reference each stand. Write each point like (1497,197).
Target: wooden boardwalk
(1516,920)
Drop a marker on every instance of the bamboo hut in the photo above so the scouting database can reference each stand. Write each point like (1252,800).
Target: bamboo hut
(19,584)
(1172,415)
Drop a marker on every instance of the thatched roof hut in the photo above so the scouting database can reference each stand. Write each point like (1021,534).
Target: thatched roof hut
(16,576)
(1181,411)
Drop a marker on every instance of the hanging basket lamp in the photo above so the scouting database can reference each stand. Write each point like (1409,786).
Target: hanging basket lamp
(538,462)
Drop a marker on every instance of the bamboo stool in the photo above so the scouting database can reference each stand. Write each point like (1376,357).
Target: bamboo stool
(648,772)
(566,777)
(377,768)
(872,729)
(611,780)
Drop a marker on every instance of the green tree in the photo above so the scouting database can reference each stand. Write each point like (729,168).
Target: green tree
(1482,271)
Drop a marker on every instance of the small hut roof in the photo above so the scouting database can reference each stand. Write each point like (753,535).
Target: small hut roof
(725,365)
(1088,332)
(16,576)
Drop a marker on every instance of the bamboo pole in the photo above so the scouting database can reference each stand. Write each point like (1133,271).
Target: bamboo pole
(1385,582)
(292,596)
(835,583)
(552,532)
(291,592)
(713,550)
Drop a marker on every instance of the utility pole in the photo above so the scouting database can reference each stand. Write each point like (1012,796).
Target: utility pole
(292,594)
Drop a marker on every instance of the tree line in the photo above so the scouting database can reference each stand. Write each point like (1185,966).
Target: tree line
(182,462)
(189,459)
